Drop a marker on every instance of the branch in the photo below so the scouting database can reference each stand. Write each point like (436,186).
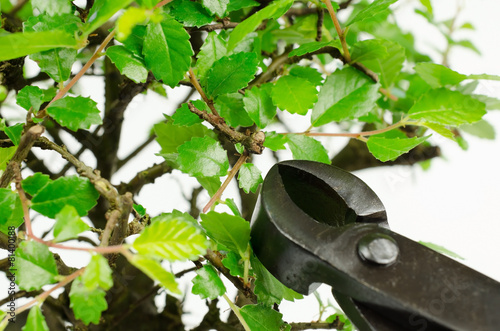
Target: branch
(212,27)
(340,32)
(144,177)
(337,324)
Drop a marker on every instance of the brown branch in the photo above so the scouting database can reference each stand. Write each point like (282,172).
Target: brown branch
(337,324)
(144,177)
(212,27)
(196,84)
(319,23)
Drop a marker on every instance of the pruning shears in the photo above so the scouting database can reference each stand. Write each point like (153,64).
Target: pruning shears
(320,224)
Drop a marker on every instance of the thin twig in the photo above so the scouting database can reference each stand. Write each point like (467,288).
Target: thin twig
(24,201)
(198,88)
(340,32)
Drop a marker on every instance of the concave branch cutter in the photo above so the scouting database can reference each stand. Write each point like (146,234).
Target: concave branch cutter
(320,224)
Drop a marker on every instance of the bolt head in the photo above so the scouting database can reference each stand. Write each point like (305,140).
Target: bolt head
(378,248)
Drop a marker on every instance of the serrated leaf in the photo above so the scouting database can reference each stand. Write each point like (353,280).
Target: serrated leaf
(262,318)
(101,12)
(56,63)
(30,96)
(207,284)
(135,40)
(234,263)
(211,184)
(98,274)
(275,141)
(376,7)
(156,272)
(228,230)
(216,7)
(295,95)
(129,19)
(370,49)
(128,64)
(240,4)
(231,73)
(5,155)
(177,214)
(33,184)
(437,75)
(249,178)
(387,149)
(481,129)
(12,210)
(75,112)
(389,67)
(441,249)
(259,105)
(52,7)
(311,74)
(307,148)
(447,107)
(203,157)
(36,265)
(190,13)
(173,239)
(441,129)
(274,10)
(35,320)
(72,190)
(171,136)
(214,47)
(312,47)
(490,102)
(68,224)
(183,116)
(87,305)
(231,108)
(346,94)
(167,51)
(14,132)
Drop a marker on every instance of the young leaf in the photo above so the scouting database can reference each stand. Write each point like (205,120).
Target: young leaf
(30,96)
(203,157)
(262,318)
(231,108)
(207,284)
(97,274)
(130,18)
(370,49)
(173,239)
(294,94)
(231,73)
(214,47)
(447,107)
(72,190)
(259,105)
(275,141)
(376,7)
(343,319)
(156,272)
(307,148)
(183,116)
(308,73)
(52,7)
(177,215)
(101,12)
(14,133)
(390,66)
(167,51)
(68,224)
(75,112)
(190,13)
(12,210)
(481,129)
(33,184)
(249,178)
(128,64)
(36,264)
(216,7)
(312,47)
(387,149)
(230,231)
(87,304)
(346,94)
(5,155)
(171,136)
(35,320)
(437,75)
(233,262)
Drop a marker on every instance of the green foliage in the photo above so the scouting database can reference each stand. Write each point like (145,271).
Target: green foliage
(12,210)
(437,75)
(294,94)
(207,284)
(249,178)
(129,65)
(68,224)
(203,157)
(75,113)
(441,249)
(36,265)
(230,231)
(375,8)
(155,271)
(87,304)
(307,148)
(259,105)
(388,149)
(259,317)
(97,274)
(35,321)
(30,96)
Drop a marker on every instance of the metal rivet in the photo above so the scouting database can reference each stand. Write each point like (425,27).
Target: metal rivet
(378,248)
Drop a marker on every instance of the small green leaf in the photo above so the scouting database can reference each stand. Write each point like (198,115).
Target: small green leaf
(52,7)
(5,155)
(36,265)
(231,73)
(216,7)
(71,190)
(68,224)
(33,184)
(262,318)
(388,67)
(203,157)
(307,148)
(234,263)
(207,284)
(56,63)
(275,141)
(235,5)
(370,49)
(183,116)
(75,112)
(214,48)
(441,249)
(128,64)
(232,205)
(189,13)
(249,178)
(87,304)
(35,320)
(484,76)
(437,75)
(447,107)
(173,239)
(312,47)
(130,18)
(30,96)
(259,105)
(101,12)
(239,148)
(140,210)
(294,94)
(98,273)
(376,7)
(387,149)
(12,210)
(14,133)
(231,108)
(167,51)
(231,231)
(343,319)
(441,129)
(466,44)
(481,129)
(177,214)
(211,184)
(171,136)
(156,272)
(311,74)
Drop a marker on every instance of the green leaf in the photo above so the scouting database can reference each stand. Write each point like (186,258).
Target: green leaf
(71,190)
(259,105)
(156,272)
(75,112)
(343,319)
(30,96)
(484,76)
(216,7)
(214,48)
(370,49)
(135,41)
(427,4)
(177,215)
(36,265)
(207,284)
(466,44)
(235,5)
(346,94)
(274,10)
(171,136)
(275,141)
(101,12)
(441,249)
(231,73)
(87,304)
(203,157)
(211,184)
(33,184)
(231,231)
(249,178)
(52,7)
(234,263)
(389,67)
(312,47)
(262,318)
(14,132)
(56,63)
(190,13)
(376,7)
(441,129)
(311,74)
(140,210)
(5,155)
(387,149)
(173,239)
(183,116)
(307,148)
(481,129)
(447,107)
(294,94)
(231,108)
(437,75)
(128,64)
(35,320)
(167,51)
(490,102)
(130,18)
(68,224)
(12,210)
(98,274)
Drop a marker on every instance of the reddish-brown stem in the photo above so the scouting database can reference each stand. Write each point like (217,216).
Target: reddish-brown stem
(161,3)
(340,32)
(198,88)
(24,200)
(230,176)
(388,94)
